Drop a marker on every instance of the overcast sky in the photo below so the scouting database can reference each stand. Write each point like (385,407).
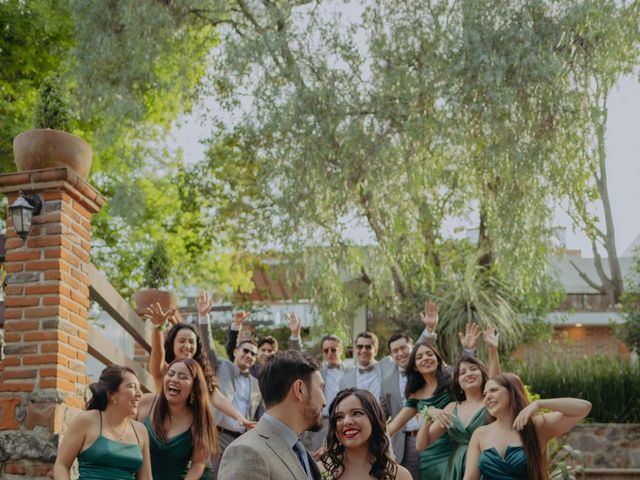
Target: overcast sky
(623,165)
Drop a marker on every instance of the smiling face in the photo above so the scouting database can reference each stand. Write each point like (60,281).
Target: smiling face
(245,356)
(128,394)
(496,398)
(185,344)
(331,351)
(353,426)
(426,360)
(365,351)
(178,383)
(265,352)
(400,352)
(469,376)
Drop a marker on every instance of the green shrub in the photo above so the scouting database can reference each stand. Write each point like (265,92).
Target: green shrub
(611,385)
(52,109)
(158,267)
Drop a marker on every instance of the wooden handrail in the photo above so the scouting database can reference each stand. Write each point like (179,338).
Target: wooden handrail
(106,352)
(101,291)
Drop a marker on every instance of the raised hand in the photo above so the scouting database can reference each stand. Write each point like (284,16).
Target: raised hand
(156,315)
(471,334)
(204,303)
(239,318)
(430,316)
(491,337)
(294,324)
(525,415)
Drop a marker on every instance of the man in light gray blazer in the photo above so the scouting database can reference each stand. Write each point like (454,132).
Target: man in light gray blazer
(291,387)
(235,382)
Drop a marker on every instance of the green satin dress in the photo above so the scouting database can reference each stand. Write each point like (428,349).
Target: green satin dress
(433,460)
(512,467)
(460,437)
(107,459)
(170,460)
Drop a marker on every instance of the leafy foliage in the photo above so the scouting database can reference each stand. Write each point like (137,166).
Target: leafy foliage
(157,267)
(611,385)
(52,109)
(629,331)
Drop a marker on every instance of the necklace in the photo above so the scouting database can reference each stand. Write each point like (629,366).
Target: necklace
(114,431)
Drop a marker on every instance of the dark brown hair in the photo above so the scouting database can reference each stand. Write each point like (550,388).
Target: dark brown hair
(110,380)
(281,370)
(536,458)
(270,340)
(383,466)
(415,380)
(203,428)
(199,356)
(456,389)
(371,336)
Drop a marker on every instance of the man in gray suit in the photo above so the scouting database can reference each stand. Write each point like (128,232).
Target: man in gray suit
(291,387)
(332,370)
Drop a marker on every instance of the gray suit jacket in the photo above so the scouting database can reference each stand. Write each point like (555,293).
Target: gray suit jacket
(391,400)
(262,454)
(226,373)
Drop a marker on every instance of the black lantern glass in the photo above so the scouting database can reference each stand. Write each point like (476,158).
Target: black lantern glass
(22,212)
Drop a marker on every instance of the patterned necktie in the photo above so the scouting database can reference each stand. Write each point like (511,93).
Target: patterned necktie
(298,447)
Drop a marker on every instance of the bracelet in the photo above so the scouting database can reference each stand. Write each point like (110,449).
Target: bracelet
(161,326)
(426,415)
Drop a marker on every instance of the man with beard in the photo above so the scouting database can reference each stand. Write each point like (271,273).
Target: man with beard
(291,387)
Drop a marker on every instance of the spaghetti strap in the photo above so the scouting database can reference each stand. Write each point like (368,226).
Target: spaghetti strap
(153,404)
(134,431)
(100,421)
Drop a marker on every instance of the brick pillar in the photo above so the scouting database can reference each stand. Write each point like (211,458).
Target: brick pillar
(43,379)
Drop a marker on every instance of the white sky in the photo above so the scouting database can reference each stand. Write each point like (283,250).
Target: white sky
(623,165)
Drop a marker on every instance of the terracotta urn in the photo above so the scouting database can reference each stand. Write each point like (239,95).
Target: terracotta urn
(47,148)
(149,296)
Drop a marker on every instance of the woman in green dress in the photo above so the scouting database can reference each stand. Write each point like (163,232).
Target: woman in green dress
(104,439)
(180,424)
(513,446)
(428,385)
(460,418)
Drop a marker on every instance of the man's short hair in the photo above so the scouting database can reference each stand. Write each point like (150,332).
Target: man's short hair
(397,335)
(281,370)
(333,338)
(249,341)
(371,336)
(270,340)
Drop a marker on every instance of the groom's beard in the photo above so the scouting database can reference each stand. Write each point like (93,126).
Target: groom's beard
(313,418)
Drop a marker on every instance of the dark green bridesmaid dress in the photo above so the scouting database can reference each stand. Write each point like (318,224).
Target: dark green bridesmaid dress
(512,467)
(433,460)
(460,437)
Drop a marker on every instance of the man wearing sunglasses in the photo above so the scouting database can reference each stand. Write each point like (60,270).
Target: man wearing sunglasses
(367,374)
(234,380)
(332,371)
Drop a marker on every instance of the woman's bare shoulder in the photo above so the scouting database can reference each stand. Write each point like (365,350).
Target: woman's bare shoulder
(403,473)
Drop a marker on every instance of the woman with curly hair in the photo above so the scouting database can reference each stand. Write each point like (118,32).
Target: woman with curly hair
(513,446)
(357,442)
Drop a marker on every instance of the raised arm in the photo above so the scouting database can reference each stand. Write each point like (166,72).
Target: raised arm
(430,320)
(400,420)
(435,424)
(566,414)
(204,329)
(491,338)
(295,326)
(159,319)
(234,331)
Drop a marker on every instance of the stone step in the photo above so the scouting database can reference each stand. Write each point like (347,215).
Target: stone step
(612,473)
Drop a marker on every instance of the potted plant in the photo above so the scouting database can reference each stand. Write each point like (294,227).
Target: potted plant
(156,275)
(49,144)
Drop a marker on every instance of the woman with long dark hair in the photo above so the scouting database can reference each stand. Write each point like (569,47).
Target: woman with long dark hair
(182,341)
(104,439)
(513,446)
(466,413)
(180,423)
(357,442)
